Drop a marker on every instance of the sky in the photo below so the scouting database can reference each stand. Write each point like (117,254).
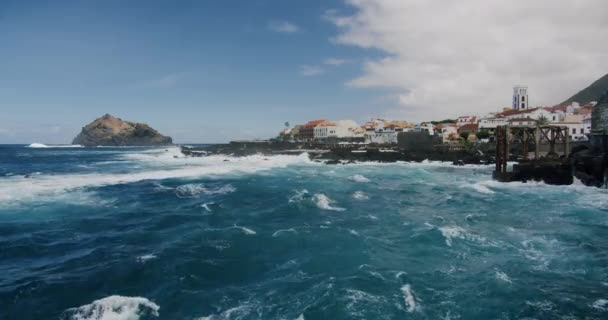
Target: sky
(212,71)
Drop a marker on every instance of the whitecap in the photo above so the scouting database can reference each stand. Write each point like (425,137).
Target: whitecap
(451,232)
(481,187)
(300,317)
(360,195)
(206,206)
(353,232)
(115,308)
(600,304)
(247,231)
(502,276)
(278,232)
(298,196)
(324,202)
(408,298)
(146,257)
(192,190)
(37,145)
(359,178)
(236,312)
(17,188)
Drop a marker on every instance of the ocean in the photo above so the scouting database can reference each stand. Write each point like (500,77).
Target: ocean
(144,233)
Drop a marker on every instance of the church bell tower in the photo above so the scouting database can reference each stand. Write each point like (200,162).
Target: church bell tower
(520,98)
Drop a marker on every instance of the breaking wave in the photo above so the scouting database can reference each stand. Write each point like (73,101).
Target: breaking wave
(359,178)
(324,202)
(16,188)
(192,190)
(360,195)
(408,298)
(114,308)
(37,145)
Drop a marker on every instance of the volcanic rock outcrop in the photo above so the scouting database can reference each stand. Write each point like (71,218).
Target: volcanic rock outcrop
(111,131)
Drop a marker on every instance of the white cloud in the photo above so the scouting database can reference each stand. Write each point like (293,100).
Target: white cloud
(335,61)
(447,58)
(283,27)
(309,71)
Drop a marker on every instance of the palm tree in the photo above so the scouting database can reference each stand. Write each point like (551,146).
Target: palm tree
(542,120)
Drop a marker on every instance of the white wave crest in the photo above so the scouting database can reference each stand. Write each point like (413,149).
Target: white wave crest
(503,276)
(278,232)
(206,206)
(451,232)
(115,308)
(232,313)
(324,202)
(247,231)
(37,145)
(408,298)
(192,190)
(481,187)
(299,196)
(146,257)
(359,178)
(600,304)
(45,186)
(360,195)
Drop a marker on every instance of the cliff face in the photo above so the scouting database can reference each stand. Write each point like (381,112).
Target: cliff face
(111,131)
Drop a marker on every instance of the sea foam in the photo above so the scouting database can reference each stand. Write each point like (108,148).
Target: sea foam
(45,186)
(115,308)
(408,298)
(37,145)
(324,202)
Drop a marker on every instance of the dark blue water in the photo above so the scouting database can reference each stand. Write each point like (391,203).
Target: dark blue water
(136,233)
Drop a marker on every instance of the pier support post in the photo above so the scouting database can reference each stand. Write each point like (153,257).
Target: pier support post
(566,141)
(536,143)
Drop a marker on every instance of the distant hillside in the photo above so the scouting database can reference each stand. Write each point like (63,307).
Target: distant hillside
(591,93)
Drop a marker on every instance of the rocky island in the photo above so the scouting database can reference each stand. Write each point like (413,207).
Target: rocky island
(111,131)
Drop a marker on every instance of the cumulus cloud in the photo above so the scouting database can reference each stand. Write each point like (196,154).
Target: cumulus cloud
(335,61)
(446,58)
(283,27)
(309,71)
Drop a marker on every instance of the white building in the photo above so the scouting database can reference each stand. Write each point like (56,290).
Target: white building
(425,127)
(462,120)
(491,123)
(448,131)
(337,129)
(521,122)
(587,123)
(578,126)
(536,114)
(381,136)
(520,98)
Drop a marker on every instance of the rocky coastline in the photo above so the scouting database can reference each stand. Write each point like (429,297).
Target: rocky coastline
(340,154)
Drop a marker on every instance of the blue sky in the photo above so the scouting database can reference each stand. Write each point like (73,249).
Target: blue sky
(200,71)
(215,70)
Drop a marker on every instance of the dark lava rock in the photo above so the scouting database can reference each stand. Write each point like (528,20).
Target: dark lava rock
(112,131)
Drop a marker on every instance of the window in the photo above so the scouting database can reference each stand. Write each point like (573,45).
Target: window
(582,130)
(573,130)
(523,105)
(523,98)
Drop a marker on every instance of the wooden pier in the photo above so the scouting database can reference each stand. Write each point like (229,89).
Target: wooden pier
(551,168)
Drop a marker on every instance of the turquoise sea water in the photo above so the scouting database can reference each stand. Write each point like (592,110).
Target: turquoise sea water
(135,233)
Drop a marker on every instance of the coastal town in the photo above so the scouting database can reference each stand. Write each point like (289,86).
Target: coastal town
(467,128)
